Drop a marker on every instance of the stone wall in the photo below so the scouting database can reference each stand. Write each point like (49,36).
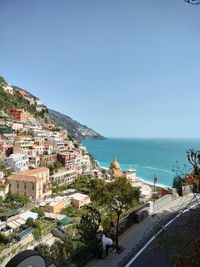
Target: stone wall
(161,202)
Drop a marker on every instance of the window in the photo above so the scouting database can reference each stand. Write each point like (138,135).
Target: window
(17,185)
(24,186)
(33,187)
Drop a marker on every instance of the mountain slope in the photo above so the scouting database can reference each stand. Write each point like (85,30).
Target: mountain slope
(17,100)
(74,128)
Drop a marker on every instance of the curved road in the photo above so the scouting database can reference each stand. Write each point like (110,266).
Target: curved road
(150,254)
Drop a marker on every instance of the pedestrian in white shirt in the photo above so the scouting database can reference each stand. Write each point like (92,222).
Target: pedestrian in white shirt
(107,243)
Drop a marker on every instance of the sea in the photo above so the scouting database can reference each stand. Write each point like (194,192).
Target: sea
(150,157)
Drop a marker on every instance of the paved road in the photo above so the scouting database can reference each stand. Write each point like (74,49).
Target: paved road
(136,236)
(150,254)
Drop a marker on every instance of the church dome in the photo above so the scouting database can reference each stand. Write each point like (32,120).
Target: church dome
(115,165)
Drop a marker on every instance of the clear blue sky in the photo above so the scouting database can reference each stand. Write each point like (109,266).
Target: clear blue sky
(127,68)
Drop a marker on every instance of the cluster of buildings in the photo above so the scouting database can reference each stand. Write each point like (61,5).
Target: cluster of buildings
(58,203)
(12,220)
(29,147)
(30,150)
(115,171)
(38,156)
(30,98)
(29,159)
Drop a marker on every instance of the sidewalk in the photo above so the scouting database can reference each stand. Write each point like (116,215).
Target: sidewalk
(135,234)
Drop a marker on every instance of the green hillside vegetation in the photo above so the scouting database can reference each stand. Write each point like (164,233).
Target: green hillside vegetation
(8,101)
(76,130)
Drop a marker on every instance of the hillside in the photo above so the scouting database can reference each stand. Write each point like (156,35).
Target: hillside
(21,98)
(15,100)
(74,128)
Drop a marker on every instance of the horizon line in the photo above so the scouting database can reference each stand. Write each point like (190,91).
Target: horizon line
(152,137)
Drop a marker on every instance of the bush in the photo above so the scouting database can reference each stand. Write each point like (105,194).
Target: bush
(2,247)
(37,233)
(30,223)
(71,211)
(43,249)
(39,212)
(5,239)
(17,198)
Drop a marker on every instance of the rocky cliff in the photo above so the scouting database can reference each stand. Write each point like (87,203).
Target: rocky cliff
(75,128)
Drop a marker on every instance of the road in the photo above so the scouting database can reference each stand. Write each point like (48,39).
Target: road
(150,254)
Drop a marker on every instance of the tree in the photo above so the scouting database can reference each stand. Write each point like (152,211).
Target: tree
(2,81)
(177,183)
(30,223)
(17,199)
(43,249)
(54,167)
(5,169)
(38,211)
(71,211)
(83,183)
(99,191)
(182,242)
(115,197)
(121,197)
(37,233)
(61,251)
(194,159)
(193,2)
(89,224)
(5,239)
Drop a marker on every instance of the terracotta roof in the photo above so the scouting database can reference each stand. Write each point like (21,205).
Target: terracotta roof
(117,173)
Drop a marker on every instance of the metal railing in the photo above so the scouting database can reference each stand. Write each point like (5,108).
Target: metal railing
(89,251)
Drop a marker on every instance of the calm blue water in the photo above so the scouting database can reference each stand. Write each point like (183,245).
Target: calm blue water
(147,156)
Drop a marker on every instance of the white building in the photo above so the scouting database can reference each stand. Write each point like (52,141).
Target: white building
(58,144)
(38,102)
(18,162)
(8,89)
(30,99)
(17,126)
(24,146)
(41,133)
(83,149)
(86,165)
(64,177)
(28,214)
(131,175)
(79,200)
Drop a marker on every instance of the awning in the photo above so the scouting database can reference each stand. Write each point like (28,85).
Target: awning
(65,220)
(16,223)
